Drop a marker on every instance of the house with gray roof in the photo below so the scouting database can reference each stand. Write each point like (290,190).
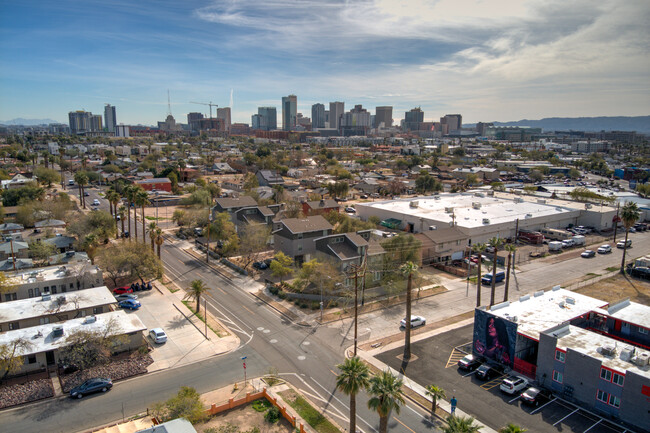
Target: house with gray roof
(295,236)
(49,223)
(62,243)
(10,228)
(15,249)
(269,178)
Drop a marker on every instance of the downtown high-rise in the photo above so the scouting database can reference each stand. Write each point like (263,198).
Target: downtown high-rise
(318,116)
(109,118)
(336,111)
(289,112)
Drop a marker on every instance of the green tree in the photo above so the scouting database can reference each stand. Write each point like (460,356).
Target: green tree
(41,251)
(196,289)
(281,266)
(512,428)
(250,182)
(136,260)
(458,424)
(630,214)
(11,360)
(129,193)
(16,196)
(5,283)
(99,223)
(436,393)
(498,186)
(47,176)
(87,348)
(354,377)
(427,183)
(81,180)
(113,198)
(186,404)
(159,241)
(408,269)
(386,395)
(152,233)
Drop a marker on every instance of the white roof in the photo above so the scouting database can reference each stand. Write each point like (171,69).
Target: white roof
(36,307)
(631,312)
(41,338)
(50,273)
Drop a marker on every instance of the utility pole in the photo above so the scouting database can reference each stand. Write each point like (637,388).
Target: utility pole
(616,220)
(358,268)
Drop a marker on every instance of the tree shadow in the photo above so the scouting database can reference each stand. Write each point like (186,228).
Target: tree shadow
(177,322)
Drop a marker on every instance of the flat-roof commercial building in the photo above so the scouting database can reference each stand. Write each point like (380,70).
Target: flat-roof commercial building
(583,349)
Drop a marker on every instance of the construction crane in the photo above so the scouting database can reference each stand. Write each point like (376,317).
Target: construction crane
(203,103)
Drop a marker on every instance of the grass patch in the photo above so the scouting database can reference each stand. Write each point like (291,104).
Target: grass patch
(314,418)
(473,280)
(612,268)
(190,305)
(150,218)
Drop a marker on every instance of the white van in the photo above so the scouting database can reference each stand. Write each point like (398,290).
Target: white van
(71,182)
(578,240)
(555,246)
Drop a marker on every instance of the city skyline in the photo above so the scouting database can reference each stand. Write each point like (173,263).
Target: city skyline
(499,61)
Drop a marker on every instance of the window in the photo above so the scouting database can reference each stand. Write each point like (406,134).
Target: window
(30,359)
(14,325)
(605,374)
(602,396)
(46,289)
(44,320)
(557,376)
(54,290)
(72,285)
(614,401)
(643,331)
(300,247)
(37,292)
(299,235)
(560,355)
(98,310)
(30,293)
(618,379)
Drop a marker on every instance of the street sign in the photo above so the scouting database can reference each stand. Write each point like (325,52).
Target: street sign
(244,366)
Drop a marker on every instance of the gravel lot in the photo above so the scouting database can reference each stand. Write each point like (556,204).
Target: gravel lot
(12,395)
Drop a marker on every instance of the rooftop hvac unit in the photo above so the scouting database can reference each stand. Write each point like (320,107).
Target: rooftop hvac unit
(436,197)
(529,215)
(414,204)
(608,350)
(490,193)
(449,210)
(46,296)
(571,301)
(479,194)
(90,319)
(642,359)
(561,304)
(57,331)
(476,205)
(486,220)
(627,353)
(519,200)
(541,201)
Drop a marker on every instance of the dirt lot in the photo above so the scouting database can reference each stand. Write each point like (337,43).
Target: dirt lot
(245,418)
(619,287)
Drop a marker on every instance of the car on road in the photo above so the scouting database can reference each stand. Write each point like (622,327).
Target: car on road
(486,372)
(487,278)
(640,227)
(86,194)
(639,272)
(469,362)
(534,396)
(126,234)
(415,321)
(604,249)
(126,296)
(122,290)
(568,243)
(622,244)
(350,209)
(363,196)
(260,265)
(95,202)
(129,304)
(588,253)
(96,384)
(158,335)
(513,384)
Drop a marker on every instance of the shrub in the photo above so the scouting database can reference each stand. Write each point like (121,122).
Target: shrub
(282,294)
(273,415)
(274,290)
(315,305)
(303,305)
(261,405)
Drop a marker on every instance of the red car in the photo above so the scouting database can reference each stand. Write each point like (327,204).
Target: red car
(122,290)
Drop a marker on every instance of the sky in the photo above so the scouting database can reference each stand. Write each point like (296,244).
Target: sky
(489,60)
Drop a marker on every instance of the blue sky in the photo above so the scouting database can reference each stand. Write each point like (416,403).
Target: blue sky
(486,59)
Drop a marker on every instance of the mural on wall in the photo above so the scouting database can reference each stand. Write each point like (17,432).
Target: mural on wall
(494,338)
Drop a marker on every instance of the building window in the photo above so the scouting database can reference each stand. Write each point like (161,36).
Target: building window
(30,359)
(560,355)
(602,396)
(557,376)
(614,401)
(72,285)
(605,374)
(618,379)
(30,293)
(300,247)
(54,290)
(44,320)
(46,289)
(98,310)
(643,331)
(299,235)
(13,326)
(37,292)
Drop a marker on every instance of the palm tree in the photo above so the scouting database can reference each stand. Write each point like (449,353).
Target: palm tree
(128,194)
(122,213)
(354,376)
(460,424)
(142,200)
(159,239)
(496,242)
(478,248)
(510,248)
(152,233)
(82,180)
(512,428)
(629,215)
(408,269)
(196,289)
(113,198)
(436,393)
(386,392)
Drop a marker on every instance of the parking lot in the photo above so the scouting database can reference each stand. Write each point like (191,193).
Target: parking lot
(434,362)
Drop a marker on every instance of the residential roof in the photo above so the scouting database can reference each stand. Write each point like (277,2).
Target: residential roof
(11,226)
(8,265)
(154,180)
(232,202)
(49,223)
(323,204)
(51,273)
(310,224)
(271,175)
(60,241)
(8,247)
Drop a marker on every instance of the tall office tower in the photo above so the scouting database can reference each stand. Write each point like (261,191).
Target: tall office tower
(109,117)
(270,116)
(413,118)
(327,118)
(258,122)
(336,111)
(79,121)
(383,115)
(355,121)
(224,113)
(289,112)
(193,120)
(96,123)
(453,121)
(317,116)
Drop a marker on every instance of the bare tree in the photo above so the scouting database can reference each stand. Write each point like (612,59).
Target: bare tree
(11,359)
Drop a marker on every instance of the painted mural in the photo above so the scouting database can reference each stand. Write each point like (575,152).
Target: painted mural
(494,338)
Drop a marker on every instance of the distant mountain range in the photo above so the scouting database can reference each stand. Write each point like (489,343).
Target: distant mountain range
(639,124)
(27,122)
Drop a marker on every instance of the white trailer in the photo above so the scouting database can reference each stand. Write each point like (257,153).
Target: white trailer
(579,240)
(555,246)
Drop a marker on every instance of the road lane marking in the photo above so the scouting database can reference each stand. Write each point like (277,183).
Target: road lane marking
(566,417)
(598,422)
(542,406)
(405,426)
(244,307)
(332,371)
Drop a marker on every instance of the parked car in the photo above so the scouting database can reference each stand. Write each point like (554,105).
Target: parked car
(534,396)
(588,253)
(126,296)
(604,249)
(639,272)
(260,265)
(363,196)
(640,227)
(415,321)
(622,244)
(90,386)
(350,209)
(122,290)
(129,304)
(86,194)
(469,362)
(487,278)
(158,335)
(486,372)
(513,384)
(126,234)
(95,202)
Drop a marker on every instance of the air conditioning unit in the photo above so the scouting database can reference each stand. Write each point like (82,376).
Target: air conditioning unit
(479,194)
(476,205)
(46,296)
(486,220)
(571,301)
(627,353)
(561,304)
(57,331)
(90,319)
(529,215)
(414,204)
(608,350)
(519,200)
(587,205)
(541,201)
(449,210)
(642,359)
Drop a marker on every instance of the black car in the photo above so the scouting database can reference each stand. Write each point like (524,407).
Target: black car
(639,272)
(534,396)
(469,362)
(97,384)
(486,372)
(260,265)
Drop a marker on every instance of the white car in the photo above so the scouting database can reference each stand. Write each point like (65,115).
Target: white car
(604,249)
(621,244)
(95,202)
(158,335)
(513,384)
(415,321)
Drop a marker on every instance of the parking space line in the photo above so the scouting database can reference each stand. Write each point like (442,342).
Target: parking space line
(598,422)
(470,373)
(454,357)
(491,384)
(532,412)
(566,417)
(515,399)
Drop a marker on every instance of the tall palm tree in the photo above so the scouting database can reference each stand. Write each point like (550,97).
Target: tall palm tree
(196,289)
(386,396)
(113,198)
(128,192)
(121,211)
(159,239)
(152,233)
(142,200)
(629,215)
(496,242)
(512,428)
(408,269)
(82,180)
(510,248)
(478,249)
(436,393)
(460,424)
(354,377)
